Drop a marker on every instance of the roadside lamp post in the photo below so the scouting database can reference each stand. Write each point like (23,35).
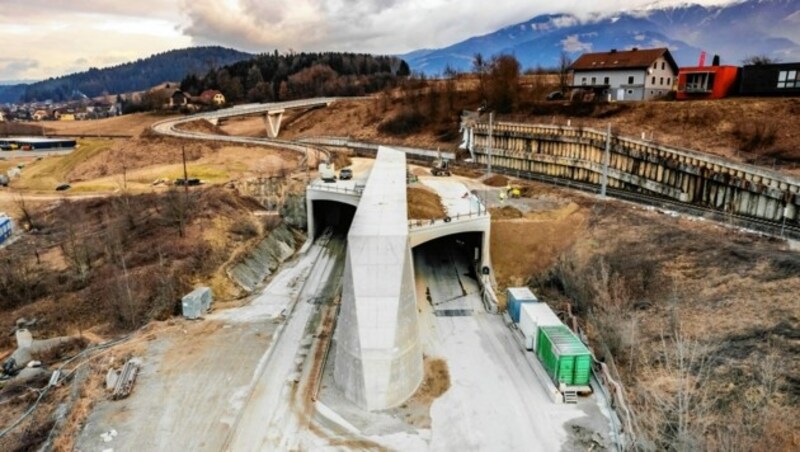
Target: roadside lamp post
(491,143)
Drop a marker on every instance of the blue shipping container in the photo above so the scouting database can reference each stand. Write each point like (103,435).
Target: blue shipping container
(5,228)
(515,296)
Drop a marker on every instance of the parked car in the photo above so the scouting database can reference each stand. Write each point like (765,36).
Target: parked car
(190,182)
(63,187)
(3,180)
(556,95)
(346,174)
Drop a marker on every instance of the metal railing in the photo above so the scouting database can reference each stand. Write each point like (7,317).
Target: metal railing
(357,190)
(347,142)
(482,213)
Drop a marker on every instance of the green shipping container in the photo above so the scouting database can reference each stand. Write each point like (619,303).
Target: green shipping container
(564,356)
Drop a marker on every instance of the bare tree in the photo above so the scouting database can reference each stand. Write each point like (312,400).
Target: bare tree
(27,215)
(77,252)
(480,67)
(680,410)
(176,210)
(760,60)
(123,300)
(503,83)
(564,64)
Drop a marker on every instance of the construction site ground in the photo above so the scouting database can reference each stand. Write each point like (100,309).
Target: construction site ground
(492,398)
(201,380)
(731,291)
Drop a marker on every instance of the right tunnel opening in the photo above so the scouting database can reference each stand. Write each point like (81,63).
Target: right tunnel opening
(446,267)
(332,216)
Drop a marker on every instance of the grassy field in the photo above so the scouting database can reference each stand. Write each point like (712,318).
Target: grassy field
(47,173)
(97,165)
(132,124)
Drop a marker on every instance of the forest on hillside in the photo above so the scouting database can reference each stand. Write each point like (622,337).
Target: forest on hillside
(272,77)
(134,76)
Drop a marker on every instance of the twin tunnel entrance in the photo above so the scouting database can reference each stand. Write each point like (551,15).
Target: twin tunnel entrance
(464,248)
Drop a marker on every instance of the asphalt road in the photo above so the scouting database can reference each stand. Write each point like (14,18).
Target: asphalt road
(33,154)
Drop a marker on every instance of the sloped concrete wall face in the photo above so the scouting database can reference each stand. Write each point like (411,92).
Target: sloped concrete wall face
(378,357)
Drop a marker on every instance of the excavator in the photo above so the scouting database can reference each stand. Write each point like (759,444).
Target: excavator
(440,167)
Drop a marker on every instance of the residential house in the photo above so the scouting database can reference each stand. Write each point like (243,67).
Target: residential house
(212,97)
(40,115)
(636,74)
(178,98)
(782,79)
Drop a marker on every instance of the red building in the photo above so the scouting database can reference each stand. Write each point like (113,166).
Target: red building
(706,82)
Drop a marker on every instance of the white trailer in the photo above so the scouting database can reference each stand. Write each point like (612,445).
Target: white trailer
(327,172)
(532,316)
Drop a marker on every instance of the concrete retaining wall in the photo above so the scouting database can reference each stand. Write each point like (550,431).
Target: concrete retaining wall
(263,259)
(634,165)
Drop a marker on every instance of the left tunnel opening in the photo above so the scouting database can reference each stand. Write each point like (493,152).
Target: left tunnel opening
(332,216)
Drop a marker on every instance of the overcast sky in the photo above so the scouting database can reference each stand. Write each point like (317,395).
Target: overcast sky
(43,38)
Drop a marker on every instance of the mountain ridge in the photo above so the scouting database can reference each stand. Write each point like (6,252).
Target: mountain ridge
(772,28)
(135,75)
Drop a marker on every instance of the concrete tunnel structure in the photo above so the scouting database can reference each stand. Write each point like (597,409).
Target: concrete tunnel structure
(377,354)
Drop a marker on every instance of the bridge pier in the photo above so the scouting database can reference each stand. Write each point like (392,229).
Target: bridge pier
(272,120)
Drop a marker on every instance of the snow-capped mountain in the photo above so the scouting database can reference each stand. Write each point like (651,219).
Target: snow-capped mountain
(734,31)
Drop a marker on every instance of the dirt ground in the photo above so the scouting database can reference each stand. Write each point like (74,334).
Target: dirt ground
(133,124)
(760,126)
(201,125)
(528,243)
(249,126)
(424,204)
(416,410)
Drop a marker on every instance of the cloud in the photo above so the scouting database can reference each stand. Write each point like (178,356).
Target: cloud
(572,44)
(41,9)
(12,68)
(56,33)
(380,26)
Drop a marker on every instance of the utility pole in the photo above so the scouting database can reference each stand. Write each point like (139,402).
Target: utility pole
(606,157)
(491,143)
(185,175)
(308,163)
(785,214)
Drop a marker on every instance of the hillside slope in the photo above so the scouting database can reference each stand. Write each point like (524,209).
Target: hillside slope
(134,76)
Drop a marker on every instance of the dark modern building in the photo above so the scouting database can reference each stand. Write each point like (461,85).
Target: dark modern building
(34,143)
(781,79)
